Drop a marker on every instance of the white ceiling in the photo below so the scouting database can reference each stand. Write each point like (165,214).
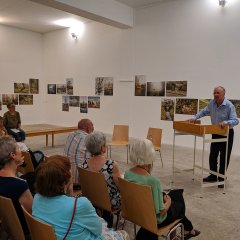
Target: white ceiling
(39,18)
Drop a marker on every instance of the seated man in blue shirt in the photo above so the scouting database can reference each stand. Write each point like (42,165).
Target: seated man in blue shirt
(222,112)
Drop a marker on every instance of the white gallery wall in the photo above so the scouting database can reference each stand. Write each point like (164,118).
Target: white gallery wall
(192,40)
(21,54)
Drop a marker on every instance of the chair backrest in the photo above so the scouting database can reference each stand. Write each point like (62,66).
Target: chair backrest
(155,135)
(10,220)
(120,133)
(38,230)
(137,204)
(29,166)
(94,187)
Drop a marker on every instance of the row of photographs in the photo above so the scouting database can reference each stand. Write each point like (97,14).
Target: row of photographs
(31,87)
(159,89)
(66,88)
(169,106)
(21,99)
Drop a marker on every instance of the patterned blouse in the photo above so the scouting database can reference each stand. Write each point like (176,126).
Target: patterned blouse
(113,191)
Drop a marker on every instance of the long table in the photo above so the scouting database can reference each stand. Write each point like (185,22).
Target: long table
(50,131)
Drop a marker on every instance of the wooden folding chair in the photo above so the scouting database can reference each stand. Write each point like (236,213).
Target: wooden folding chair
(38,230)
(10,220)
(138,207)
(120,138)
(155,135)
(28,161)
(94,187)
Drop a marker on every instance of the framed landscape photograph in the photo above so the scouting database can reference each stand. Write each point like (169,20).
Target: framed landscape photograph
(9,98)
(83,104)
(167,109)
(108,86)
(51,88)
(25,99)
(176,88)
(61,88)
(99,86)
(202,103)
(21,88)
(140,85)
(74,101)
(69,83)
(186,106)
(155,88)
(34,86)
(93,102)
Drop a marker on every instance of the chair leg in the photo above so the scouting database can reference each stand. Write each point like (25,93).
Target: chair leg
(161,157)
(135,231)
(118,217)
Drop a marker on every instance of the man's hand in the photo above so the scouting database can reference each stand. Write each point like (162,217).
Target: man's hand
(222,124)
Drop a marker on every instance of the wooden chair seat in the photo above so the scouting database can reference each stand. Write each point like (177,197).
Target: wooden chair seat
(138,207)
(120,137)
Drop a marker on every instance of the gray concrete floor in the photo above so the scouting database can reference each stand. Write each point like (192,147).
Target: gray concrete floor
(215,214)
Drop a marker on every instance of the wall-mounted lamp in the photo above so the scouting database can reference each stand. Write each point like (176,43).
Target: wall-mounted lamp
(74,35)
(222,3)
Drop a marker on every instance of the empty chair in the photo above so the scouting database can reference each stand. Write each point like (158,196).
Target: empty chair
(94,187)
(120,137)
(39,230)
(138,207)
(10,220)
(155,135)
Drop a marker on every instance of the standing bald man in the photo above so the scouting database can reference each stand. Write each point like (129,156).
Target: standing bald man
(222,112)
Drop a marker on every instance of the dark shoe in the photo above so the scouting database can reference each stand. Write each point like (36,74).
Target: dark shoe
(190,235)
(210,178)
(221,186)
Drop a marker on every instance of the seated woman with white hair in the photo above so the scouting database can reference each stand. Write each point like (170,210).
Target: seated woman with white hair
(142,155)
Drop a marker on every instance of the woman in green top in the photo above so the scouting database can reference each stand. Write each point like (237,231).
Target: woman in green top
(12,122)
(167,208)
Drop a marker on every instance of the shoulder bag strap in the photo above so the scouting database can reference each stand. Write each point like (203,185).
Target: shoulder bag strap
(73,213)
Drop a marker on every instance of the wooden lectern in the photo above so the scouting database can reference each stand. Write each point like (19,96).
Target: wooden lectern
(198,130)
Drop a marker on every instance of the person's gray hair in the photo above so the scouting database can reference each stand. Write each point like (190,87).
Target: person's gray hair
(221,87)
(94,142)
(142,152)
(7,145)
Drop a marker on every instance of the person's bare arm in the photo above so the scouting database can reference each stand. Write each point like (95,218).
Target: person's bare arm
(26,200)
(116,173)
(167,204)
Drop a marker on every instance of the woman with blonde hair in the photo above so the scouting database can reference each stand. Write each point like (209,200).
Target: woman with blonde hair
(168,208)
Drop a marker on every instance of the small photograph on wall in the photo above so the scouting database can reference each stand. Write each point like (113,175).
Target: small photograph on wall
(74,101)
(176,88)
(93,102)
(108,86)
(99,86)
(51,88)
(61,88)
(236,104)
(167,109)
(186,106)
(65,103)
(0,102)
(140,85)
(21,88)
(34,85)
(83,104)
(155,88)
(69,83)
(10,98)
(202,103)
(25,99)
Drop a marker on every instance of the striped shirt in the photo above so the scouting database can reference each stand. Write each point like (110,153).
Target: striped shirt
(76,151)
